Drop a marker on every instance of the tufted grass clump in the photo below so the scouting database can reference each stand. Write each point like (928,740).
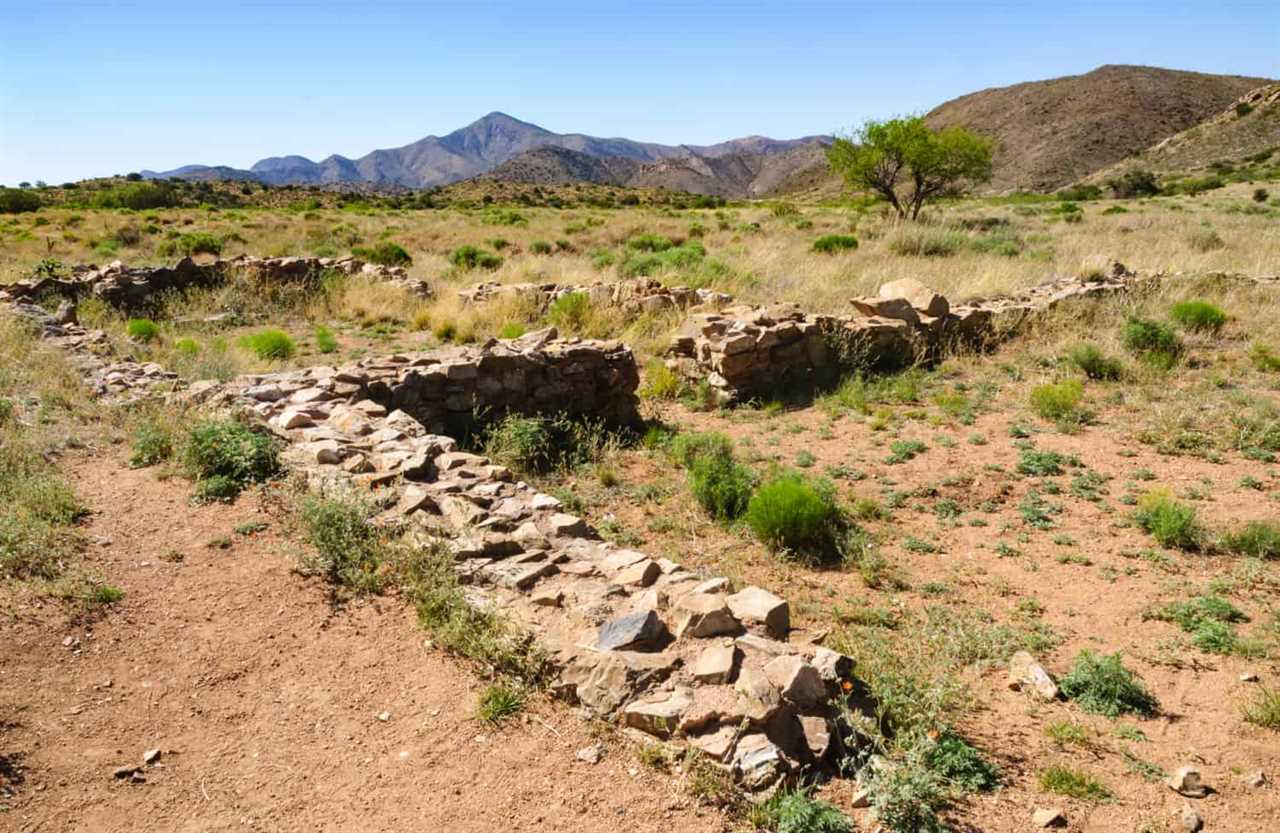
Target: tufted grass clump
(1154,343)
(326,342)
(224,456)
(1171,523)
(660,382)
(1198,316)
(471,257)
(142,329)
(1074,783)
(834,243)
(1208,619)
(1095,364)
(1059,402)
(797,515)
(1256,539)
(795,811)
(346,549)
(960,763)
(1264,710)
(535,445)
(1101,684)
(1264,358)
(570,311)
(269,344)
(385,253)
(500,701)
(721,485)
(923,241)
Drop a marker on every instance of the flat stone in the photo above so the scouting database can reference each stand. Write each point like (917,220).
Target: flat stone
(658,717)
(590,754)
(817,735)
(716,743)
(639,575)
(766,649)
(1049,817)
(1025,672)
(1186,781)
(1192,822)
(714,665)
(921,297)
(757,762)
(562,524)
(548,597)
(635,630)
(833,667)
(759,606)
(621,560)
(702,615)
(1255,780)
(797,681)
(760,699)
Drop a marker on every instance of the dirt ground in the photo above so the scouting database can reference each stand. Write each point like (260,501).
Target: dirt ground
(267,704)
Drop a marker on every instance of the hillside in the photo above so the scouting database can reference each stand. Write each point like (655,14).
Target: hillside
(470,151)
(1245,131)
(1051,133)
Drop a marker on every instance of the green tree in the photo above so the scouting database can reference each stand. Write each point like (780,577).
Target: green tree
(908,164)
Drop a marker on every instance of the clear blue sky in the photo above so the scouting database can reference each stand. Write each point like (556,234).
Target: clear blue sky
(95,88)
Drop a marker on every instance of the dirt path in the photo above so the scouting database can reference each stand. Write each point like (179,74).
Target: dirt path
(267,705)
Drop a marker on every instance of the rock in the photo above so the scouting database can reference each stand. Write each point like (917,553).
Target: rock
(636,630)
(756,605)
(151,756)
(562,524)
(1255,780)
(921,297)
(817,735)
(122,772)
(384,716)
(1191,820)
(760,699)
(898,308)
(703,615)
(639,575)
(548,597)
(833,666)
(1249,677)
(717,743)
(1049,817)
(1186,781)
(715,664)
(860,799)
(797,681)
(1024,671)
(658,717)
(590,754)
(757,762)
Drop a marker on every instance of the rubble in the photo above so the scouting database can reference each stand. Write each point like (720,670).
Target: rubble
(638,295)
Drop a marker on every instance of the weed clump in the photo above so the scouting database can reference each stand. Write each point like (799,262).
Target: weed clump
(1154,343)
(1198,316)
(1095,364)
(833,243)
(224,456)
(385,253)
(1257,539)
(1074,783)
(1059,402)
(720,484)
(798,515)
(1102,685)
(1171,523)
(326,342)
(1264,710)
(795,811)
(570,311)
(470,257)
(269,344)
(142,329)
(535,445)
(348,550)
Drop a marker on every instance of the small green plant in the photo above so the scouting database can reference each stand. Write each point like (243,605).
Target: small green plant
(900,451)
(1101,684)
(833,243)
(798,515)
(512,329)
(540,247)
(795,811)
(471,257)
(499,702)
(348,550)
(1171,523)
(273,345)
(907,798)
(721,485)
(187,348)
(385,253)
(326,342)
(1063,780)
(152,443)
(570,311)
(1205,240)
(1264,710)
(660,382)
(1060,403)
(961,764)
(1208,619)
(142,329)
(1257,539)
(1064,734)
(1044,463)
(228,456)
(1095,364)
(1198,316)
(1154,343)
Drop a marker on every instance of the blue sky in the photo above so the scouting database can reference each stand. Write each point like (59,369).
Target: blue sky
(99,88)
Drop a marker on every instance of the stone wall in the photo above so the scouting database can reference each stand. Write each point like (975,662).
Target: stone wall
(131,288)
(638,295)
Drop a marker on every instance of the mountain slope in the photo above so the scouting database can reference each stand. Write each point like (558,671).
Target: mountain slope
(1249,127)
(1052,133)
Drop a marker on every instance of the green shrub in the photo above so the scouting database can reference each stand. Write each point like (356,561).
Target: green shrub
(326,342)
(832,243)
(570,311)
(922,241)
(1205,240)
(907,798)
(216,488)
(1198,315)
(721,485)
(1264,710)
(1074,783)
(229,453)
(686,256)
(348,550)
(650,243)
(1153,342)
(18,201)
(385,253)
(1094,363)
(470,257)
(538,444)
(512,329)
(540,247)
(152,443)
(1101,684)
(1134,183)
(188,348)
(960,764)
(1264,358)
(142,329)
(499,702)
(1171,523)
(795,811)
(903,450)
(191,243)
(660,382)
(138,196)
(1060,402)
(798,515)
(1258,539)
(269,344)
(689,447)
(1208,619)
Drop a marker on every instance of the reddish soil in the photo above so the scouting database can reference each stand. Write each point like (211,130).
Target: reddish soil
(266,700)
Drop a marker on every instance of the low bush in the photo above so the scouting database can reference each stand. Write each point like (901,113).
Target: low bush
(471,257)
(650,243)
(570,311)
(326,342)
(795,811)
(1171,523)
(1095,364)
(1154,343)
(1264,709)
(230,452)
(1257,539)
(151,443)
(142,329)
(961,764)
(1073,783)
(797,515)
(18,201)
(721,485)
(689,447)
(686,256)
(538,444)
(347,550)
(660,382)
(191,243)
(1208,619)
(1060,403)
(1205,240)
(499,702)
(833,243)
(922,241)
(385,253)
(1200,316)
(269,344)
(1264,358)
(540,247)
(1100,684)
(512,329)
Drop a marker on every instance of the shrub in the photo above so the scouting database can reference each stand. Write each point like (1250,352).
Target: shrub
(1094,363)
(499,702)
(18,201)
(1063,780)
(1258,539)
(1101,684)
(1155,343)
(907,798)
(1198,315)
(326,342)
(512,329)
(1060,402)
(795,811)
(650,243)
(961,764)
(538,444)
(385,253)
(721,485)
(660,381)
(348,550)
(832,243)
(1171,523)
(1264,358)
(1261,194)
(269,344)
(142,329)
(192,243)
(152,443)
(570,311)
(922,241)
(798,515)
(138,196)
(689,447)
(1134,183)
(540,247)
(903,450)
(686,256)
(1205,240)
(217,488)
(1264,710)
(229,452)
(188,348)
(470,257)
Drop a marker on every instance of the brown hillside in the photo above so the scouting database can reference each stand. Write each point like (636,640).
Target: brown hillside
(1051,133)
(1248,128)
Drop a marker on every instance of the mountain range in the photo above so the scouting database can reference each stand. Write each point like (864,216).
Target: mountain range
(1047,134)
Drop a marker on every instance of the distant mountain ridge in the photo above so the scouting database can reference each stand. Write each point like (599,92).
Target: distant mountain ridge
(470,151)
